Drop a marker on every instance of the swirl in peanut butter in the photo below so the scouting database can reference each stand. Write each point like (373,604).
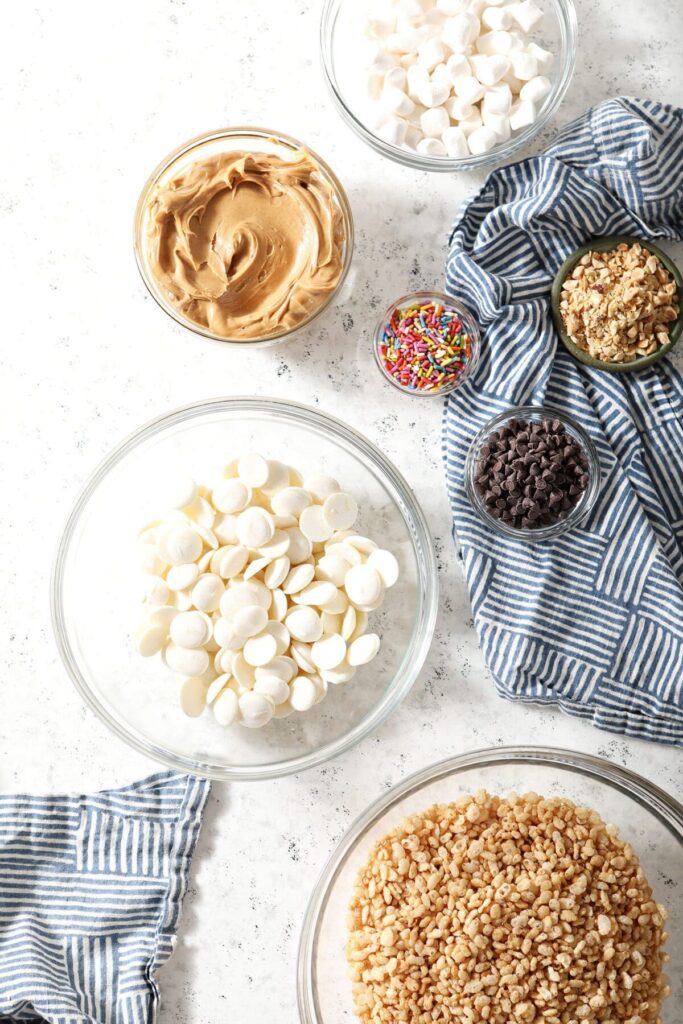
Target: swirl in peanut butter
(246,245)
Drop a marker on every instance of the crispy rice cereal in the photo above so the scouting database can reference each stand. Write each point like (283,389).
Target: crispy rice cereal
(508,911)
(619,305)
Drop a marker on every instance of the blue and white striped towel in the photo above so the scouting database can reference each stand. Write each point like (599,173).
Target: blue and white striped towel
(592,621)
(90,894)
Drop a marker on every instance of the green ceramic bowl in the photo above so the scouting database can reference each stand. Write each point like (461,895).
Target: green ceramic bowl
(602,245)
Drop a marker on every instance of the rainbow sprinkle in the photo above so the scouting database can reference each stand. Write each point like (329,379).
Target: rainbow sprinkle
(424,347)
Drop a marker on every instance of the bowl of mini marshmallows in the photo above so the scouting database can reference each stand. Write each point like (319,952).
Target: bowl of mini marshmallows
(245,588)
(446,85)
(532,473)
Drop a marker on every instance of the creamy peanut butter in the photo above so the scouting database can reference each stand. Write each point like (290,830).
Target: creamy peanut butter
(246,244)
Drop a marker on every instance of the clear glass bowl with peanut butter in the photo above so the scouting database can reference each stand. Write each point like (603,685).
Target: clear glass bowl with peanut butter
(243,235)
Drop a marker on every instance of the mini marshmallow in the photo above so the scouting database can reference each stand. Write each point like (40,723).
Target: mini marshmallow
(380,27)
(526,14)
(398,78)
(381,62)
(499,124)
(434,122)
(458,66)
(409,10)
(544,58)
(496,18)
(481,140)
(407,40)
(471,122)
(413,136)
(524,66)
(433,94)
(536,89)
(417,77)
(460,32)
(522,114)
(393,131)
(458,109)
(450,7)
(431,53)
(431,147)
(497,100)
(440,76)
(455,141)
(491,43)
(469,90)
(395,101)
(492,69)
(513,83)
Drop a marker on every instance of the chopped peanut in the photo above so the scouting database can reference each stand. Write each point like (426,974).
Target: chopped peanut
(619,305)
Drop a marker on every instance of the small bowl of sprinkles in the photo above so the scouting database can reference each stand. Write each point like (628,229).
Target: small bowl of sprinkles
(427,344)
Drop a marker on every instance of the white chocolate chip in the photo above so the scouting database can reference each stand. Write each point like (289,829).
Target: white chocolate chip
(303,693)
(304,624)
(363,585)
(340,510)
(150,639)
(225,707)
(386,564)
(363,649)
(315,524)
(329,652)
(256,710)
(192,696)
(231,496)
(255,527)
(190,629)
(253,470)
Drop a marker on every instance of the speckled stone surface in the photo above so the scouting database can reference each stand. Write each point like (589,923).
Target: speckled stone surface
(91,97)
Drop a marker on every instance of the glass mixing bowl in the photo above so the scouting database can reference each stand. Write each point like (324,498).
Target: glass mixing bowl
(227,140)
(645,815)
(96,587)
(342,28)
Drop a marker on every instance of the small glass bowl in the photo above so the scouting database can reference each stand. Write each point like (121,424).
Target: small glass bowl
(647,817)
(96,601)
(342,28)
(226,140)
(585,502)
(442,299)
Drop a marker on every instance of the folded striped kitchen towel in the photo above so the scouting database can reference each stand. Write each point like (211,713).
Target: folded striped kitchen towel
(90,894)
(592,621)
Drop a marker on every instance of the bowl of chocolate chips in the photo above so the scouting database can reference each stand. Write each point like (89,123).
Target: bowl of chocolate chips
(532,473)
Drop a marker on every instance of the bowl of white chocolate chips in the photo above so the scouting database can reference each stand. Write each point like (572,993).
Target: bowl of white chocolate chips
(288,588)
(448,84)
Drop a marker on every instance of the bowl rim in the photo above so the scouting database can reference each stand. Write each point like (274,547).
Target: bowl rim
(427,586)
(603,243)
(566,12)
(657,801)
(247,132)
(582,508)
(466,316)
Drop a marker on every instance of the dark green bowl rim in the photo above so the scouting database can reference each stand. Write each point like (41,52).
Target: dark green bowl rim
(602,244)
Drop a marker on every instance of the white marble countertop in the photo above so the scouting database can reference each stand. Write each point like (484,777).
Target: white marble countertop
(91,97)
